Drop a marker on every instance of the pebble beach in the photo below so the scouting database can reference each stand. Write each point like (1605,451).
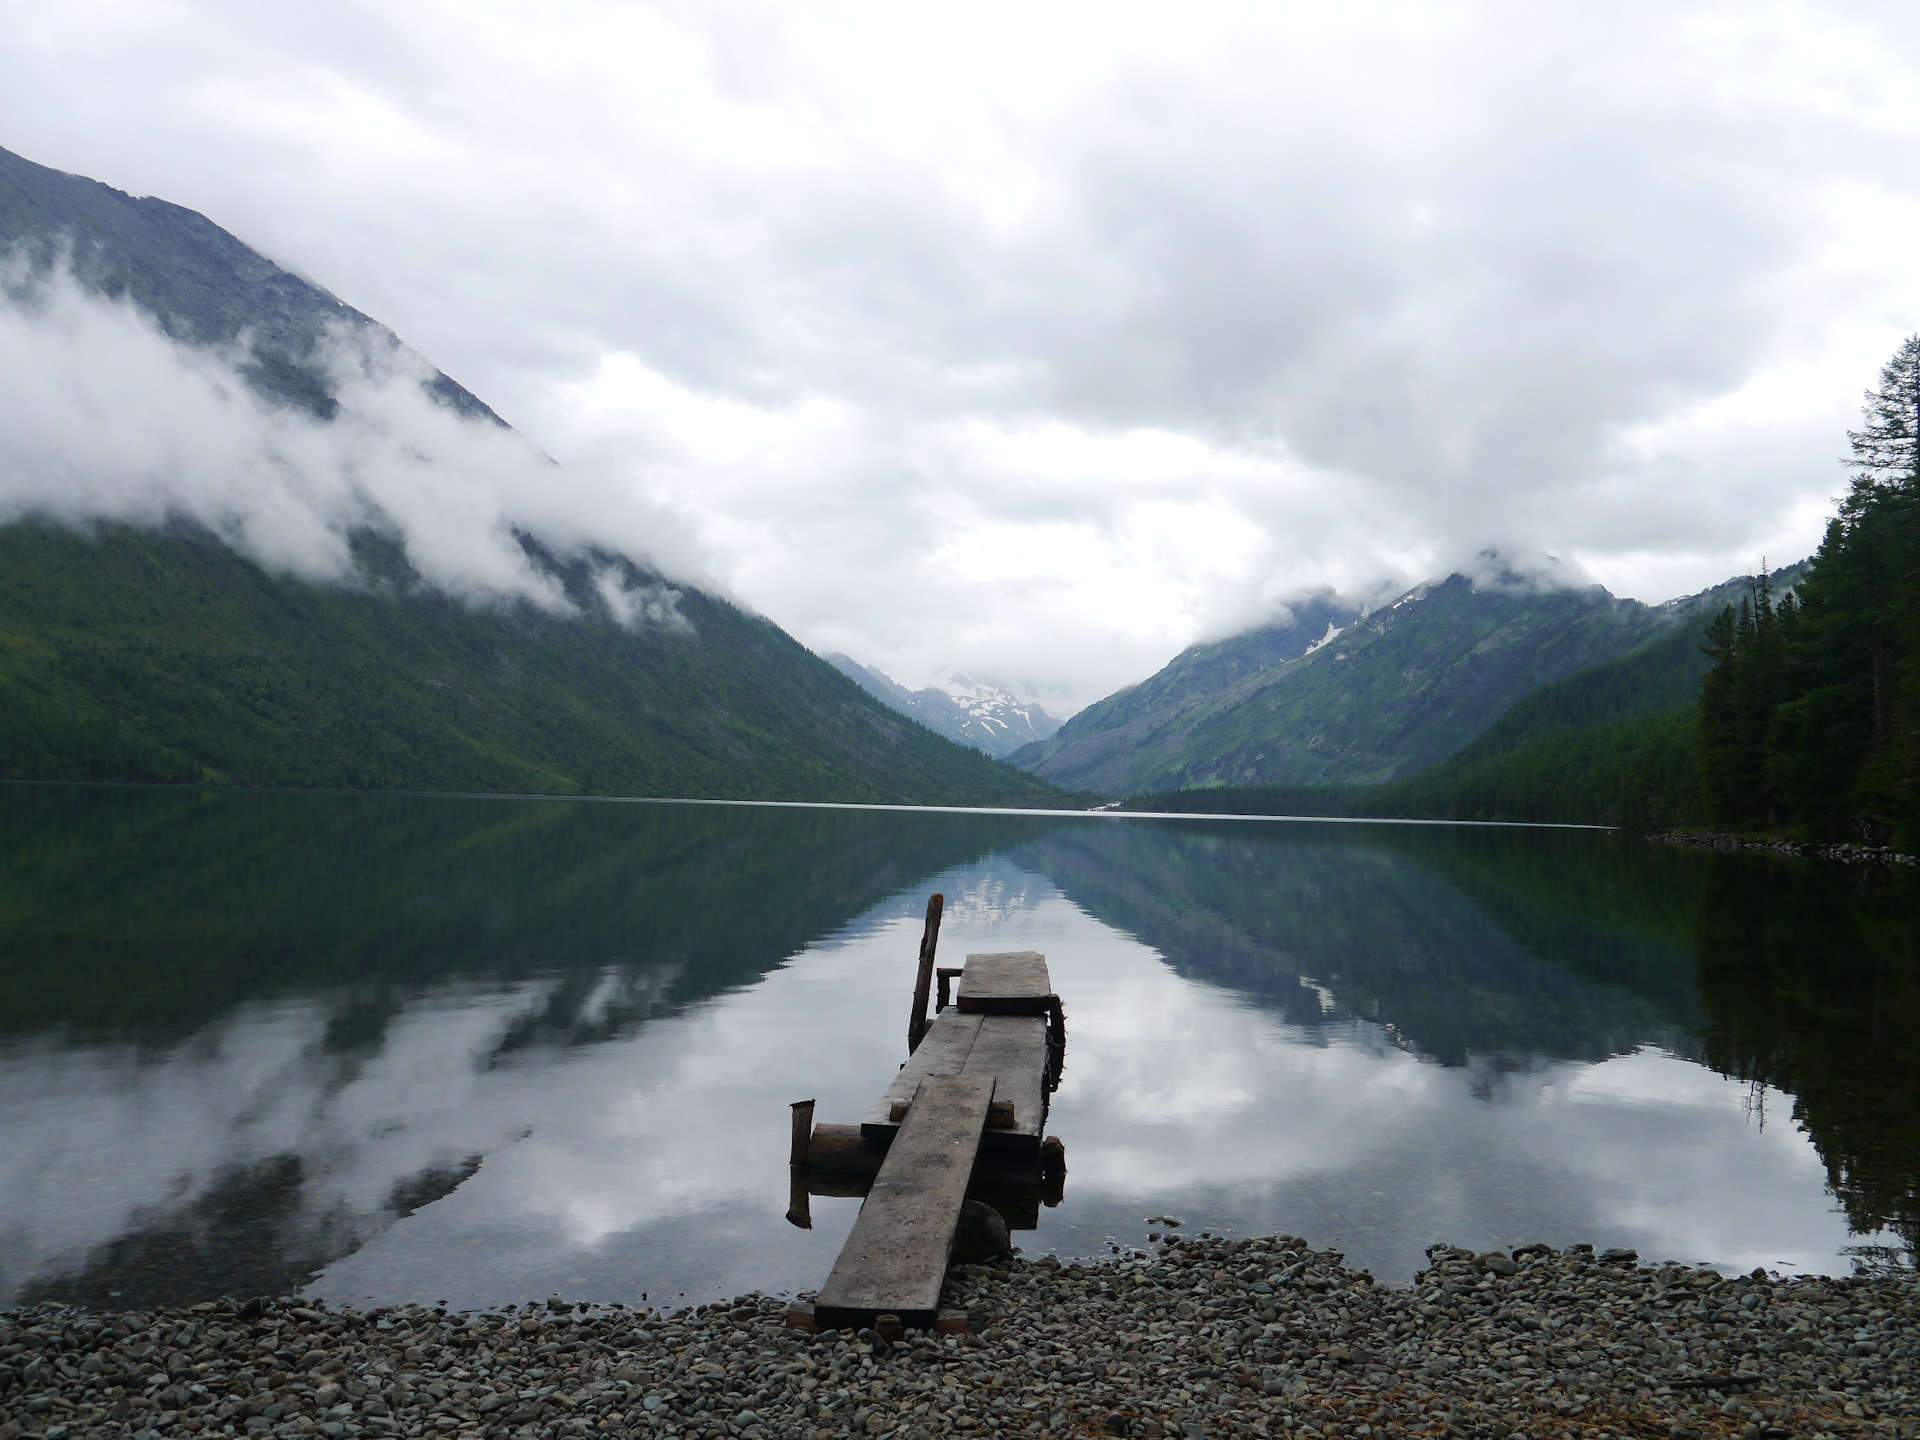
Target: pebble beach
(1198,1337)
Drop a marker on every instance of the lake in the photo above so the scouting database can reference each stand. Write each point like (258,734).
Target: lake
(388,1048)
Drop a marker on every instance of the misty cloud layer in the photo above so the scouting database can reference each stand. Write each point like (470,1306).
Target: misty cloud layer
(1037,344)
(106,418)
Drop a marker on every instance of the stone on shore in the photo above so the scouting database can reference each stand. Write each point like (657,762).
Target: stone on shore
(1199,1338)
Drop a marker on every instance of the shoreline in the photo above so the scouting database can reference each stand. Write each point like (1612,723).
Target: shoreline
(1849,854)
(1195,1339)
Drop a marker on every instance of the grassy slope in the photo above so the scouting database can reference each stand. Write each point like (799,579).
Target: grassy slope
(138,655)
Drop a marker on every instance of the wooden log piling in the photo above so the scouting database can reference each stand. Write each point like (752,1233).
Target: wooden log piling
(802,1133)
(923,981)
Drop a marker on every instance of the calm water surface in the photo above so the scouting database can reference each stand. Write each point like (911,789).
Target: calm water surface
(400,1048)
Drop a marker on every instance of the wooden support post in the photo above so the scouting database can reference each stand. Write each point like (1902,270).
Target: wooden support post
(1053,1158)
(1053,1171)
(947,974)
(802,1132)
(799,1200)
(923,982)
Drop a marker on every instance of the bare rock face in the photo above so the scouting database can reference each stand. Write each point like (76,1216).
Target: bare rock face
(982,1234)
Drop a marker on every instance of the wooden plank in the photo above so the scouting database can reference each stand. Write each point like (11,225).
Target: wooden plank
(943,1051)
(1013,1049)
(895,1259)
(1010,1048)
(1013,983)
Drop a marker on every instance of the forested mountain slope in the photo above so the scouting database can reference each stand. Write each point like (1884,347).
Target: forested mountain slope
(165,653)
(144,655)
(1106,743)
(1612,744)
(1381,698)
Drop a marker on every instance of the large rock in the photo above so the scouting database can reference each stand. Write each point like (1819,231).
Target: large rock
(982,1234)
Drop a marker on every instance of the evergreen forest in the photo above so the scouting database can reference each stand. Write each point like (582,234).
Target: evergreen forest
(165,656)
(1809,719)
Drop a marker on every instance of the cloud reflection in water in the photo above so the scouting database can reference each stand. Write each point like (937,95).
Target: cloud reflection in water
(635,1144)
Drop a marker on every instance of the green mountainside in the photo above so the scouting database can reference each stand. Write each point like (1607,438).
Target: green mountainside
(1612,744)
(1640,772)
(141,655)
(1105,737)
(165,655)
(1382,698)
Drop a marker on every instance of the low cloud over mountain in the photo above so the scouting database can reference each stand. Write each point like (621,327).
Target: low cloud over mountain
(1042,344)
(109,418)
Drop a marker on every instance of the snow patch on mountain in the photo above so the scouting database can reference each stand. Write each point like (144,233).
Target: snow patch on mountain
(1333,633)
(974,712)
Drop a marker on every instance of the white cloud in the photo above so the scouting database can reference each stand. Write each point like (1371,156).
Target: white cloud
(104,417)
(1299,294)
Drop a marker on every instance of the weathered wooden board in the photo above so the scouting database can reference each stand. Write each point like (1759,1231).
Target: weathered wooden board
(943,1051)
(895,1259)
(1013,1049)
(1014,983)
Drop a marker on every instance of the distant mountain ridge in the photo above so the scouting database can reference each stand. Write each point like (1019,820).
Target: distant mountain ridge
(1391,692)
(1613,744)
(201,285)
(161,653)
(979,713)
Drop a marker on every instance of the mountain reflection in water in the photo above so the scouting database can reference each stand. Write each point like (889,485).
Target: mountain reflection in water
(484,1050)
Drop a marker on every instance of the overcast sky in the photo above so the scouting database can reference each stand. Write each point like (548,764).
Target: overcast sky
(1038,341)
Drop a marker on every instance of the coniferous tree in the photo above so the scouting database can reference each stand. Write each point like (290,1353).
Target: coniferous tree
(1810,715)
(1884,450)
(1720,779)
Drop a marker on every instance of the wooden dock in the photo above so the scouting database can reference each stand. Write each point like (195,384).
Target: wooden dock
(965,1116)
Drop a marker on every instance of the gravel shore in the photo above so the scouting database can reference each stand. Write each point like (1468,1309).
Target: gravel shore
(1201,1337)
